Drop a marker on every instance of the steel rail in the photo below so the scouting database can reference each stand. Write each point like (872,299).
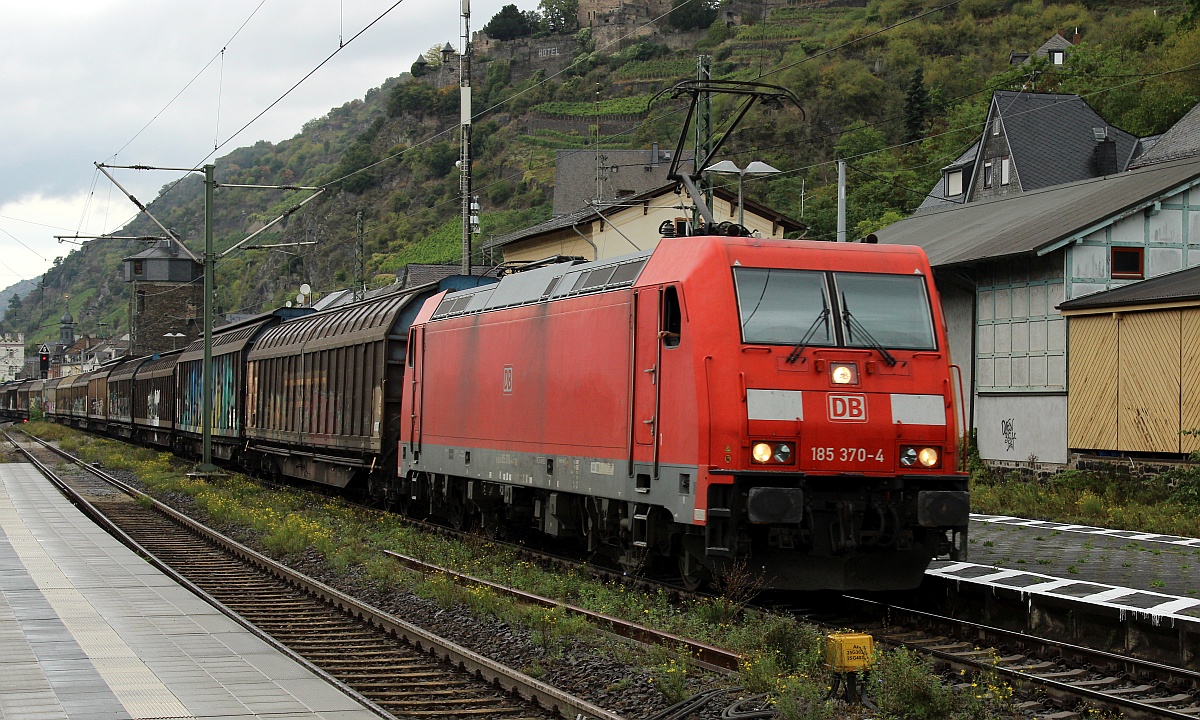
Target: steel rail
(1153,676)
(102,520)
(510,680)
(707,656)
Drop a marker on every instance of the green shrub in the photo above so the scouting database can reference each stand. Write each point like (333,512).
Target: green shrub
(908,688)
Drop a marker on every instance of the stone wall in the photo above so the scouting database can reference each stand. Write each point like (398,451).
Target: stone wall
(525,56)
(582,125)
(156,309)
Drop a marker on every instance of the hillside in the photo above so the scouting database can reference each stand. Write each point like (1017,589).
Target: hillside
(899,103)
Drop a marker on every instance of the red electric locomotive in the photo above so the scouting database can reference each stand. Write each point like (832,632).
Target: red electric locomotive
(783,404)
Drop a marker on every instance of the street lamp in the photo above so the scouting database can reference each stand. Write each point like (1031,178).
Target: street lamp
(174,336)
(729,167)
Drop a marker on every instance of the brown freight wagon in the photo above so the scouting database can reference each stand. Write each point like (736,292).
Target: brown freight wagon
(154,400)
(120,397)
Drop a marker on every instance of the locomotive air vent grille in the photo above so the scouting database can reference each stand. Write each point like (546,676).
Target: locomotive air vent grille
(593,280)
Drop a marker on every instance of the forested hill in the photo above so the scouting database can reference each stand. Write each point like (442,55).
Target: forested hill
(899,90)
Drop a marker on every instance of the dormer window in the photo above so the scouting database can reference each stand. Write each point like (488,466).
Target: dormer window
(989,174)
(1058,57)
(954,184)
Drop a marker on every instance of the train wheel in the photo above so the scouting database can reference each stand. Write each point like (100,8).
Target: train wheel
(692,574)
(493,525)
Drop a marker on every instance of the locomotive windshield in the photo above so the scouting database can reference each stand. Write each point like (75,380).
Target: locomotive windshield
(779,306)
(785,307)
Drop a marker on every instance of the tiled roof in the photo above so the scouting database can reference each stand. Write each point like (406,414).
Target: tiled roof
(1179,286)
(937,197)
(630,171)
(1051,137)
(1181,141)
(422,274)
(1026,222)
(1056,42)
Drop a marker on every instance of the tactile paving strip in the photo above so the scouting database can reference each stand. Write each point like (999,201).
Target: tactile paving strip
(137,688)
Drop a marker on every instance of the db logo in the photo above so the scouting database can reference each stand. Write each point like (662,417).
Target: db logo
(508,378)
(848,408)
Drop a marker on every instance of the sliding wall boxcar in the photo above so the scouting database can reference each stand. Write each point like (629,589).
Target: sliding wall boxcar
(73,400)
(230,345)
(8,398)
(97,397)
(36,395)
(120,396)
(332,382)
(154,400)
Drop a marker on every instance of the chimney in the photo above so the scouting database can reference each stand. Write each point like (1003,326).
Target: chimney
(1075,37)
(654,155)
(1104,155)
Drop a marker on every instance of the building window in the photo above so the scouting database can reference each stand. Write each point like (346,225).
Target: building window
(1005,164)
(1127,263)
(1057,57)
(995,126)
(954,183)
(137,267)
(988,174)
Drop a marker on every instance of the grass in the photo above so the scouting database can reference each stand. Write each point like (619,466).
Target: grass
(1164,504)
(635,105)
(783,657)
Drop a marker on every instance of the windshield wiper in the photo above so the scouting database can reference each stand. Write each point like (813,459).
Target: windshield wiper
(855,326)
(812,329)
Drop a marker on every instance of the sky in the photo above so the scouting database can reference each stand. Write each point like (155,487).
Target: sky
(85,81)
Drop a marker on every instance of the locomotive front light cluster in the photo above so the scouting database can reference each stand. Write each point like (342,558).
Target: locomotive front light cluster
(911,456)
(843,373)
(765,453)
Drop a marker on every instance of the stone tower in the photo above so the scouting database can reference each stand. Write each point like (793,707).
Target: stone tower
(167,298)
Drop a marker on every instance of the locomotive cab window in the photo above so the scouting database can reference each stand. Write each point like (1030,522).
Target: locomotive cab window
(672,318)
(412,346)
(778,307)
(888,310)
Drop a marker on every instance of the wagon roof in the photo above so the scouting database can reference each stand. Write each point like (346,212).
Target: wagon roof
(126,368)
(162,365)
(236,336)
(346,325)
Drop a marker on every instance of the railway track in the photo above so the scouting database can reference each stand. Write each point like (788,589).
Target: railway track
(396,669)
(1057,680)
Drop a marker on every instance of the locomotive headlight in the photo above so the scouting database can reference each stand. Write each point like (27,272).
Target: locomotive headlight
(765,453)
(928,457)
(843,373)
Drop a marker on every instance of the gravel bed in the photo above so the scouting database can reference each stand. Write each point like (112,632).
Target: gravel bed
(599,673)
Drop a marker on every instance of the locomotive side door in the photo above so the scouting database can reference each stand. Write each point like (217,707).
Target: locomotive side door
(645,371)
(416,349)
(658,326)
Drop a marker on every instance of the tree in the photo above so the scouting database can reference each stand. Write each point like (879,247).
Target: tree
(507,24)
(916,106)
(561,16)
(692,14)
(357,157)
(14,302)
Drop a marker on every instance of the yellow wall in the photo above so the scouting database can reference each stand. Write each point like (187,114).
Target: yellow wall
(636,229)
(1133,384)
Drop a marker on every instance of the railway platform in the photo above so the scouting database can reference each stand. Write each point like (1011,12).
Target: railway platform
(1147,562)
(91,630)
